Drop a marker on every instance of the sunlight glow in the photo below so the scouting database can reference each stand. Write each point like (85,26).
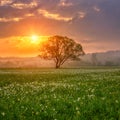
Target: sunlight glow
(34,39)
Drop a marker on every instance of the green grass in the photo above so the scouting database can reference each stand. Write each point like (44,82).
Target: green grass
(65,94)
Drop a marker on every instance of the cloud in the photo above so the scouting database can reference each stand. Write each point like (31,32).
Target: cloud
(65,3)
(29,15)
(15,19)
(96,9)
(54,16)
(24,5)
(81,14)
(5,2)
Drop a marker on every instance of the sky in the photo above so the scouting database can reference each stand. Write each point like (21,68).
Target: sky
(93,23)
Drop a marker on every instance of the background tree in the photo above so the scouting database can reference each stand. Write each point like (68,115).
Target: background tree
(60,49)
(94,58)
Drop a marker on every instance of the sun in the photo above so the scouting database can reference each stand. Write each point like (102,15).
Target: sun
(34,39)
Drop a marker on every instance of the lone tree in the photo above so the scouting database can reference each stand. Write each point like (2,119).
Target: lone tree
(60,49)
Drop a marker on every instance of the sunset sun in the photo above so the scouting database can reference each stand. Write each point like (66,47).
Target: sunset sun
(34,39)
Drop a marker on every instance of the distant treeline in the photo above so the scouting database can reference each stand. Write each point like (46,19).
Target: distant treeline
(111,58)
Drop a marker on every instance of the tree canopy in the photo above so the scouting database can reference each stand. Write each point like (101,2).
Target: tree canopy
(60,49)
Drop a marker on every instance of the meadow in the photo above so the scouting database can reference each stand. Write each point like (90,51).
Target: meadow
(63,94)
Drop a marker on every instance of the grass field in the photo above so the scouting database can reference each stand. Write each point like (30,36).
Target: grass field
(65,94)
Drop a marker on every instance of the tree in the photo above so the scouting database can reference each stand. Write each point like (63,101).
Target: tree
(60,49)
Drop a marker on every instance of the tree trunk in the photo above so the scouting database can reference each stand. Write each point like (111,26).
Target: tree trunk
(57,66)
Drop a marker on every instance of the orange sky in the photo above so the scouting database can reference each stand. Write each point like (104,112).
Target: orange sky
(93,23)
(23,46)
